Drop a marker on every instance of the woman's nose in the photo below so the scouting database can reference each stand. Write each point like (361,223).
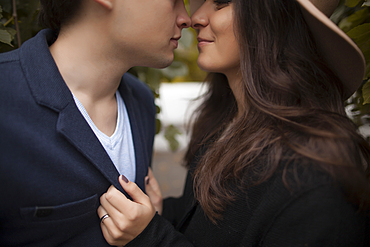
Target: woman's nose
(198,20)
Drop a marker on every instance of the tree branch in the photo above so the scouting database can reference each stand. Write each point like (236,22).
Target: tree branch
(15,16)
(9,21)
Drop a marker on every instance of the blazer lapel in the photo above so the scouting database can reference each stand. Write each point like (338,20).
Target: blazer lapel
(137,133)
(77,131)
(49,89)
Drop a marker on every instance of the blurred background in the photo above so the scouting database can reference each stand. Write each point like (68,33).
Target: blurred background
(175,87)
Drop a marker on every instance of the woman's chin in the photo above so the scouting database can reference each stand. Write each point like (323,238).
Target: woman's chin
(207,67)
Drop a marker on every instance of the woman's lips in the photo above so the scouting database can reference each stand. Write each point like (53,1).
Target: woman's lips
(203,42)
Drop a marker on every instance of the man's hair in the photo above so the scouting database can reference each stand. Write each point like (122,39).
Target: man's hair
(55,13)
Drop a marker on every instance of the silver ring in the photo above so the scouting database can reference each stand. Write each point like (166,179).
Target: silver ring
(104,217)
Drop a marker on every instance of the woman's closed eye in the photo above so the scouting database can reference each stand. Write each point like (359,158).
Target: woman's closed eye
(221,3)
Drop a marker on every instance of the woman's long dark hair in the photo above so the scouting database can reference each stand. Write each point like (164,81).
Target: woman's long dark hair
(295,105)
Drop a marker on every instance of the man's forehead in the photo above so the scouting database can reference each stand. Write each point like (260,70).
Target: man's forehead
(194,5)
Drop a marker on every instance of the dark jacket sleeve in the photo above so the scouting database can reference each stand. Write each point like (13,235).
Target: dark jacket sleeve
(316,218)
(174,209)
(160,232)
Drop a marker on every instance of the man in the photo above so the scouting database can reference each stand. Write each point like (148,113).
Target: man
(72,120)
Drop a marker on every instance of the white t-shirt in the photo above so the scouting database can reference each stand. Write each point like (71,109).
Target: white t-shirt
(119,146)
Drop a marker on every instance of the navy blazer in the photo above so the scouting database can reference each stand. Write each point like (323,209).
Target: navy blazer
(53,169)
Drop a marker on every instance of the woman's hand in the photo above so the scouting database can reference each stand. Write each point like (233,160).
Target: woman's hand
(127,219)
(153,191)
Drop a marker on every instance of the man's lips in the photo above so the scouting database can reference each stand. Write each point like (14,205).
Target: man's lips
(175,41)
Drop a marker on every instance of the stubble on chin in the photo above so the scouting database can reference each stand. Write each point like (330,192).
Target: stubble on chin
(163,63)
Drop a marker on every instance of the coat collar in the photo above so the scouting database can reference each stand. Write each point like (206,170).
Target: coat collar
(42,74)
(49,89)
(138,136)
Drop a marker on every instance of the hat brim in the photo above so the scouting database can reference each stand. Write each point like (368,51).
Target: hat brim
(339,51)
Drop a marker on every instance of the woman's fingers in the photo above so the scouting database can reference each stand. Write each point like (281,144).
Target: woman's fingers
(134,191)
(127,218)
(154,192)
(116,209)
(117,228)
(153,182)
(110,231)
(116,200)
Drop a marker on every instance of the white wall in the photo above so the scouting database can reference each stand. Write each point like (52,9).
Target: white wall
(176,107)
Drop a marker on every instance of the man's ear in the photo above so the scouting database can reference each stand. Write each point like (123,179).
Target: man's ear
(108,4)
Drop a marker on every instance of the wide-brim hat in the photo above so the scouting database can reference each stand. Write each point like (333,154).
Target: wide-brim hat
(339,51)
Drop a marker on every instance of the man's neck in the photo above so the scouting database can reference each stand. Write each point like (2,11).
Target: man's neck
(91,73)
(86,65)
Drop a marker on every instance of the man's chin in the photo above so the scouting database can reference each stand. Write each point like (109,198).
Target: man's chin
(163,64)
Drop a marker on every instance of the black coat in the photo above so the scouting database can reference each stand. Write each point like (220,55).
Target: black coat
(313,213)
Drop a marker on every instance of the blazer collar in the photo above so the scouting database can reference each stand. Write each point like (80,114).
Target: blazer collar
(42,74)
(138,136)
(49,89)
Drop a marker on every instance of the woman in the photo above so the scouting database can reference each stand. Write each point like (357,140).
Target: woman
(273,160)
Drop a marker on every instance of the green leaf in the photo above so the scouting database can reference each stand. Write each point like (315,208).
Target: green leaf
(158,126)
(5,36)
(366,92)
(12,31)
(360,33)
(361,36)
(355,19)
(353,3)
(170,134)
(158,109)
(6,5)
(153,78)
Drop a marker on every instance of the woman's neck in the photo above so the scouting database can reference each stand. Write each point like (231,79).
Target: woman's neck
(235,82)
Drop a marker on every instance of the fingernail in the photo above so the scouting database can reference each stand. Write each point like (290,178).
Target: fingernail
(124,179)
(147,180)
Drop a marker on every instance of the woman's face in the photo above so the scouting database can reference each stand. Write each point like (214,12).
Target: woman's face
(218,49)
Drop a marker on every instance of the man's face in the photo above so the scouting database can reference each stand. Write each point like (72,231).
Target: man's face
(147,30)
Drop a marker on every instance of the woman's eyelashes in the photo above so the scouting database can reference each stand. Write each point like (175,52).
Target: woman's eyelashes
(221,3)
